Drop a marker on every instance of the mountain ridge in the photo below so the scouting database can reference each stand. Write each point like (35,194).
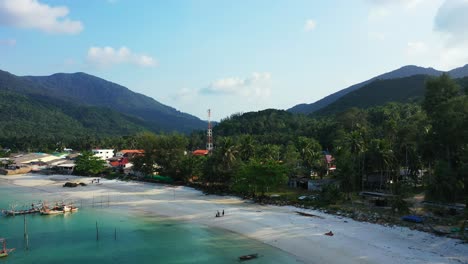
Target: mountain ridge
(85,89)
(404,71)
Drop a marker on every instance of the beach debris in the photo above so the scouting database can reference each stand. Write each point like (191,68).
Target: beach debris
(308,215)
(329,233)
(412,218)
(248,257)
(308,198)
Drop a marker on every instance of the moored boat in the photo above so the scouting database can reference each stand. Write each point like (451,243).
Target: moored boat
(4,251)
(58,209)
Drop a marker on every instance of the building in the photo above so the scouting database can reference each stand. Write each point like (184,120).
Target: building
(330,163)
(103,153)
(129,153)
(200,152)
(34,158)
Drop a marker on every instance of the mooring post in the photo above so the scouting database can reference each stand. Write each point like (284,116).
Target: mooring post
(97,232)
(26,239)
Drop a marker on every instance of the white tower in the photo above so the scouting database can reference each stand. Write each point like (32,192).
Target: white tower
(209,133)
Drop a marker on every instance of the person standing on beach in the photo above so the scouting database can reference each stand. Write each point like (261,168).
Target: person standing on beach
(223,212)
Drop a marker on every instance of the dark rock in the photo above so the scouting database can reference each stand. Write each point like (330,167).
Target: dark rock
(70,184)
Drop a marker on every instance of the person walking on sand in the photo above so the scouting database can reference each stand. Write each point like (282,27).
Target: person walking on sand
(223,212)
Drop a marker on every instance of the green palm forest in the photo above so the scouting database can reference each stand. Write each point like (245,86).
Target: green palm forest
(416,124)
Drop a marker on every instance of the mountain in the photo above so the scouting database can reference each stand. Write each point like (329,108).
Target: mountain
(87,90)
(379,92)
(459,72)
(405,71)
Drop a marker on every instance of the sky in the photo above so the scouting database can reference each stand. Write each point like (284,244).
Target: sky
(231,56)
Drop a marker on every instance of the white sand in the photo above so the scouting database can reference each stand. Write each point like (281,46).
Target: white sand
(281,227)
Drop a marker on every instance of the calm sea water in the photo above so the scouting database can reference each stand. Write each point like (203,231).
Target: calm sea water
(123,238)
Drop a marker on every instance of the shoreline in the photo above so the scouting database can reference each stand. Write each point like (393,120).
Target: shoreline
(279,226)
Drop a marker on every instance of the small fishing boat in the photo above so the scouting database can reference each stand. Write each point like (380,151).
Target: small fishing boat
(69,208)
(58,209)
(13,211)
(4,251)
(51,212)
(20,212)
(248,257)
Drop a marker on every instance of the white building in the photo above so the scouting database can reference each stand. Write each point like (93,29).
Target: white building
(103,153)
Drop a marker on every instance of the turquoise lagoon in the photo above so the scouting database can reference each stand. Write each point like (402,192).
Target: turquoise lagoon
(123,238)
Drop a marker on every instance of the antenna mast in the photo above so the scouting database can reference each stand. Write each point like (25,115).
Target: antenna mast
(209,133)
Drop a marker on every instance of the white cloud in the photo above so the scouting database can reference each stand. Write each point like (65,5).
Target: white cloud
(451,23)
(108,56)
(452,19)
(7,42)
(256,85)
(451,57)
(382,8)
(416,48)
(185,95)
(36,15)
(310,25)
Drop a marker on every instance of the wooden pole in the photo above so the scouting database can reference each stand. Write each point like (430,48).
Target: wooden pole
(97,232)
(26,238)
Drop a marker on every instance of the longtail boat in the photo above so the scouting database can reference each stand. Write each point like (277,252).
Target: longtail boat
(58,209)
(4,251)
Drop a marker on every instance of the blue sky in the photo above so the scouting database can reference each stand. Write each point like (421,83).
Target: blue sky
(231,56)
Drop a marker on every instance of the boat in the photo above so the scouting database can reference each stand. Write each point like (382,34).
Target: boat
(58,209)
(4,251)
(51,212)
(13,211)
(20,212)
(69,208)
(248,257)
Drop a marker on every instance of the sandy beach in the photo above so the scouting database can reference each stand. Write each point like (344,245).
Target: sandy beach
(281,227)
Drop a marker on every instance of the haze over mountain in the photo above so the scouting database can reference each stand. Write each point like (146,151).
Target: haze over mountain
(84,90)
(402,72)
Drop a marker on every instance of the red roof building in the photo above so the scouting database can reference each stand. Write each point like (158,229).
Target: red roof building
(200,152)
(121,162)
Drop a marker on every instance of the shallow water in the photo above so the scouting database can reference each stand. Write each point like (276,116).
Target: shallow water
(122,238)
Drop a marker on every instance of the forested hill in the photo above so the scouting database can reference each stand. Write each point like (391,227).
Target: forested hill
(402,72)
(39,122)
(38,112)
(379,92)
(89,90)
(270,126)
